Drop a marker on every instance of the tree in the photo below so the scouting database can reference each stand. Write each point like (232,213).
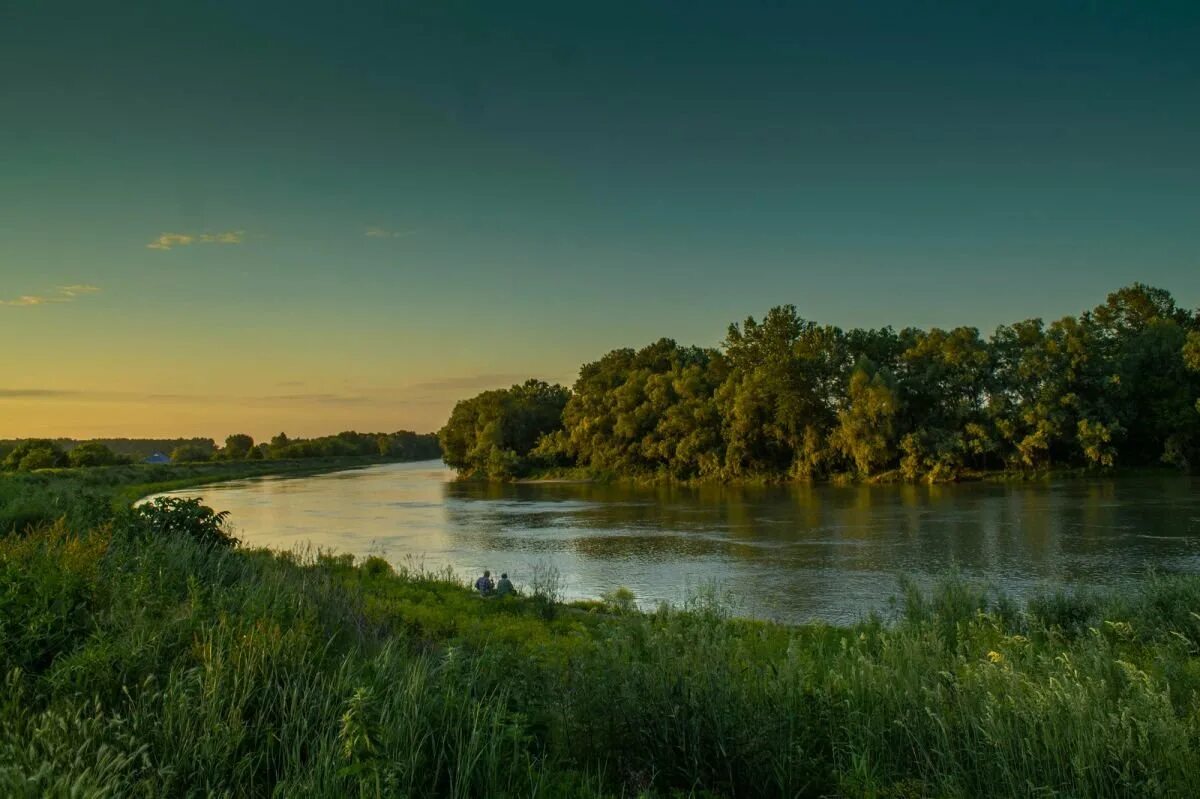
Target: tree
(866,426)
(494,433)
(190,453)
(35,453)
(786,398)
(94,453)
(778,404)
(40,459)
(237,447)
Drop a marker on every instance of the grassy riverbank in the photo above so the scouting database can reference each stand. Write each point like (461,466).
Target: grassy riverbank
(139,665)
(87,496)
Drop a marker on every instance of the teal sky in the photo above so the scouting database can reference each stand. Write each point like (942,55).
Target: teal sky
(362,212)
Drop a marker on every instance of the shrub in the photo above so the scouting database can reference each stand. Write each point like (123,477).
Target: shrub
(178,516)
(93,453)
(36,453)
(190,453)
(376,566)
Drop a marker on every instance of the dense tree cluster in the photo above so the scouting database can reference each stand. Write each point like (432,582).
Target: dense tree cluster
(786,398)
(133,448)
(402,445)
(39,453)
(494,433)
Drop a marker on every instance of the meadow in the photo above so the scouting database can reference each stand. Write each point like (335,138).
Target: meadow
(144,653)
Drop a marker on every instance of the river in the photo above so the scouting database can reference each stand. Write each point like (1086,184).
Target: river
(792,553)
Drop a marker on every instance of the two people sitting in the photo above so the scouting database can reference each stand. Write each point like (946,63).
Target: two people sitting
(487,587)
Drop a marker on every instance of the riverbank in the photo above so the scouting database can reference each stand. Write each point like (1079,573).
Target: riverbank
(140,665)
(578,474)
(84,495)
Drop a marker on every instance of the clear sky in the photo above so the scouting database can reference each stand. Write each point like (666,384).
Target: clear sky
(264,216)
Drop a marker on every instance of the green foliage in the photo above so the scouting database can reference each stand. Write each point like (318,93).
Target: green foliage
(237,447)
(178,516)
(33,454)
(157,665)
(866,426)
(786,398)
(129,449)
(401,445)
(496,433)
(93,453)
(191,453)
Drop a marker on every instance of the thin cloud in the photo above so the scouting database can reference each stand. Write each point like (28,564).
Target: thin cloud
(167,241)
(384,233)
(35,393)
(60,295)
(78,289)
(136,397)
(231,237)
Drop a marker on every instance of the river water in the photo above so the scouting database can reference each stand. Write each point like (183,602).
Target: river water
(794,553)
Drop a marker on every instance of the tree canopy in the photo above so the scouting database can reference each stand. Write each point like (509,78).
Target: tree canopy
(494,434)
(788,398)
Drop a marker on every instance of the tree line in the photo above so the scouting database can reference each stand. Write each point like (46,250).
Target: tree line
(33,454)
(402,445)
(787,398)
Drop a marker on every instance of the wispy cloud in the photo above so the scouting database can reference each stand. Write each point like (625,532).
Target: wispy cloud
(35,393)
(60,295)
(270,400)
(384,233)
(230,237)
(167,241)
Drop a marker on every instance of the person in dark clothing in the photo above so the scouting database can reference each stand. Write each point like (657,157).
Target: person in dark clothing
(505,586)
(484,584)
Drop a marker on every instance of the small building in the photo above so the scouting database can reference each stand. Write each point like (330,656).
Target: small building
(158,457)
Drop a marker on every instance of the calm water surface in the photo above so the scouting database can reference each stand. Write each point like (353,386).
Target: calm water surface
(791,553)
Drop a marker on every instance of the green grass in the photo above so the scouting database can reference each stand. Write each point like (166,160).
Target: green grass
(158,666)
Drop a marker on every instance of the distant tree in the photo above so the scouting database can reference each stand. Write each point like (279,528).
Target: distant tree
(93,453)
(36,453)
(40,459)
(237,447)
(191,453)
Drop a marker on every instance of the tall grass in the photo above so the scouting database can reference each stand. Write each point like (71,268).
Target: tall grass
(164,666)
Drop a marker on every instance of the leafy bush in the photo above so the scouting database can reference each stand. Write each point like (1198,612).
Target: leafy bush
(35,454)
(94,453)
(191,453)
(165,516)
(375,566)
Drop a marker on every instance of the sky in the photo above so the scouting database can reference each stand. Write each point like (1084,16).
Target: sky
(229,216)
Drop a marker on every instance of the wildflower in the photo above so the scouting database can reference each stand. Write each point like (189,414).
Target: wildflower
(995,656)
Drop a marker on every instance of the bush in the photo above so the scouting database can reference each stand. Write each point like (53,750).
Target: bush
(166,516)
(94,453)
(36,453)
(375,566)
(190,453)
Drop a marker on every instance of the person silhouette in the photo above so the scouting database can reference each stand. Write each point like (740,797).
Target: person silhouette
(484,584)
(505,586)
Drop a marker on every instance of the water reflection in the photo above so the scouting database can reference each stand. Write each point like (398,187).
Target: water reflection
(794,553)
